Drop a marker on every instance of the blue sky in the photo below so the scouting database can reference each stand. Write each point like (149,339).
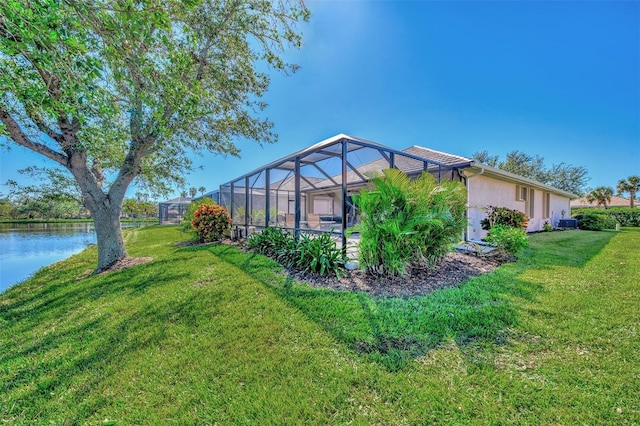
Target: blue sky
(555,79)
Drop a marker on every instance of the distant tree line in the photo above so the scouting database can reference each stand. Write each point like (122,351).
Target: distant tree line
(46,207)
(563,176)
(56,195)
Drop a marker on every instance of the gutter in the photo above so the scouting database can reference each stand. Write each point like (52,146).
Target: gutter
(466,183)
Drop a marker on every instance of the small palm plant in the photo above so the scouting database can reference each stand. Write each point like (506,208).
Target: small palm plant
(408,223)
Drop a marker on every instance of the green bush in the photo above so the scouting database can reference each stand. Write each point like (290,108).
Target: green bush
(408,223)
(625,216)
(595,222)
(188,216)
(270,241)
(210,223)
(317,254)
(508,240)
(504,216)
(547,227)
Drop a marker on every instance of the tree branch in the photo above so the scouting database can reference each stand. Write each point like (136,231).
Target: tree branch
(18,136)
(42,126)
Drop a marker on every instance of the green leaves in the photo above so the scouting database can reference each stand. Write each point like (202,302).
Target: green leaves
(508,240)
(407,223)
(562,176)
(317,254)
(504,216)
(118,90)
(147,77)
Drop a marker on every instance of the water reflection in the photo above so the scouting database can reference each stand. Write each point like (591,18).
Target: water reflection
(25,248)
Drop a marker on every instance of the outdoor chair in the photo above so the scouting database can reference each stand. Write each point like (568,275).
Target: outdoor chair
(313,220)
(290,220)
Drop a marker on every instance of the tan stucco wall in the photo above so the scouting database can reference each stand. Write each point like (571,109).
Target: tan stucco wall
(487,191)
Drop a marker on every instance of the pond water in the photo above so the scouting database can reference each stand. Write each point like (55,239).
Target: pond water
(25,248)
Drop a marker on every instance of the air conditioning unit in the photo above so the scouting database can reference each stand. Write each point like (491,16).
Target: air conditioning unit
(570,223)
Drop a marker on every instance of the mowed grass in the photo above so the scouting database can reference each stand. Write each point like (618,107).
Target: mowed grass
(205,335)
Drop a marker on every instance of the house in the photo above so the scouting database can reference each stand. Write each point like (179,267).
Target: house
(489,186)
(322,178)
(615,202)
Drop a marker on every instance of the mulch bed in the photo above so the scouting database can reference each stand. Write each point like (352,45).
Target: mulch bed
(454,269)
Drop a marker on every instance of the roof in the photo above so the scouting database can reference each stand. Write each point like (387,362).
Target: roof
(332,147)
(479,168)
(179,200)
(412,160)
(439,156)
(615,202)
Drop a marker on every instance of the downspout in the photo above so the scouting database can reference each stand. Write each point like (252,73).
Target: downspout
(466,183)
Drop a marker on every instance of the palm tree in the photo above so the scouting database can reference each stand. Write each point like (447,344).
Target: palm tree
(202,190)
(193,192)
(630,185)
(601,194)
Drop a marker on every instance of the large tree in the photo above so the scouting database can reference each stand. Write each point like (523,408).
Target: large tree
(630,185)
(562,176)
(117,90)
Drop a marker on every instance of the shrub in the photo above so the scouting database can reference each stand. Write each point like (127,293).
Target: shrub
(408,223)
(193,206)
(625,216)
(317,254)
(270,241)
(547,227)
(210,223)
(508,240)
(595,222)
(504,216)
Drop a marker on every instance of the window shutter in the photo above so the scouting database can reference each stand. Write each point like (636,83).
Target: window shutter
(531,202)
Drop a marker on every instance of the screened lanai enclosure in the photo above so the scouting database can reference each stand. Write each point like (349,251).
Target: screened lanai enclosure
(312,190)
(172,211)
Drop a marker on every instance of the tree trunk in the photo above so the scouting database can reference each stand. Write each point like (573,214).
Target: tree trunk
(111,248)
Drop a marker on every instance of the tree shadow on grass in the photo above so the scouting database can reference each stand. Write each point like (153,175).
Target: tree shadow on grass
(393,331)
(78,362)
(70,337)
(390,331)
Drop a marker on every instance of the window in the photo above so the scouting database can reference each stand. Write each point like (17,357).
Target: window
(546,202)
(323,205)
(527,195)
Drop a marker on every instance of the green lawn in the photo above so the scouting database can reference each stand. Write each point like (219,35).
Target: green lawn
(212,335)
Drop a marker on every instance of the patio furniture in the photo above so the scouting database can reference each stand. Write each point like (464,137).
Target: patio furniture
(313,220)
(290,221)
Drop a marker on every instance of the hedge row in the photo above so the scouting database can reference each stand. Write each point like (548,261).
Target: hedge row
(625,216)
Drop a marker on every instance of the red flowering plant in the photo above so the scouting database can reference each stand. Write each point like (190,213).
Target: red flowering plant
(210,223)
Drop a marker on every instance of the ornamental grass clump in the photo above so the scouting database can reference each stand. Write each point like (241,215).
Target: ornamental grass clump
(408,223)
(210,223)
(317,254)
